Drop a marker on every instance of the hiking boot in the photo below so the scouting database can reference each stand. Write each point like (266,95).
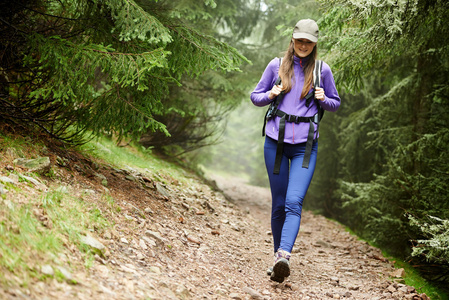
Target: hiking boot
(281,267)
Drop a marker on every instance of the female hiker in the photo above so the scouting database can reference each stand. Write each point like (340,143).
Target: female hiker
(291,130)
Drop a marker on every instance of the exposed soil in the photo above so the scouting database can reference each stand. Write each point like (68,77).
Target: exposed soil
(174,240)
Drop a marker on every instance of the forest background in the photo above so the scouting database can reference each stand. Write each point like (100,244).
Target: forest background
(175,77)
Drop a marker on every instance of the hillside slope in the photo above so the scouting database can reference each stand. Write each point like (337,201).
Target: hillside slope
(141,233)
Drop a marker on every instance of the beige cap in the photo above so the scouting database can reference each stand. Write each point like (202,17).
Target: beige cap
(306,29)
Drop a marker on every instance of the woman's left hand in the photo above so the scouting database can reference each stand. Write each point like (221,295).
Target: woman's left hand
(319,94)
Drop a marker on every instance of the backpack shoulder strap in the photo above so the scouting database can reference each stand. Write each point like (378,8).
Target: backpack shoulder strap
(317,83)
(317,73)
(278,81)
(311,135)
(274,104)
(278,98)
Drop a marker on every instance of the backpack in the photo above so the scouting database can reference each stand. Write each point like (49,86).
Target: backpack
(273,111)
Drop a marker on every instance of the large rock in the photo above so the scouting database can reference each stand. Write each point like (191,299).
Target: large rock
(7,180)
(40,165)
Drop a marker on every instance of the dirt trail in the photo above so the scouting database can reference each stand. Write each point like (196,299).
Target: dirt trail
(175,240)
(327,262)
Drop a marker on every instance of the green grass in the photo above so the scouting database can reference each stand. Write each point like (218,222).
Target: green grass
(20,145)
(23,240)
(27,243)
(36,230)
(134,156)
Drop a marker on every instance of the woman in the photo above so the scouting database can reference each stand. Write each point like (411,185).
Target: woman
(295,166)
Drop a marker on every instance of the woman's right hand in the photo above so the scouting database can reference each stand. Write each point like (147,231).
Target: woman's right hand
(275,91)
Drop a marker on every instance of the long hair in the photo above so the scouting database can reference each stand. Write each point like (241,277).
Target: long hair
(286,70)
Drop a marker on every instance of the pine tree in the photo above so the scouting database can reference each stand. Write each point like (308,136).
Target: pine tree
(200,106)
(393,160)
(103,66)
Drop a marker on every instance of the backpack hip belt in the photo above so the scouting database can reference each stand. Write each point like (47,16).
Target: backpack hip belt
(310,136)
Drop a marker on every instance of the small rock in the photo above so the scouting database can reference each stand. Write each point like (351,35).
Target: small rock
(207,206)
(253,293)
(129,218)
(47,270)
(94,243)
(3,191)
(103,271)
(321,243)
(235,227)
(127,269)
(99,259)
(155,270)
(67,275)
(124,240)
(149,241)
(193,240)
(130,178)
(146,179)
(335,281)
(5,179)
(142,244)
(391,289)
(162,190)
(155,235)
(235,296)
(424,296)
(399,280)
(399,273)
(222,292)
(182,292)
(31,179)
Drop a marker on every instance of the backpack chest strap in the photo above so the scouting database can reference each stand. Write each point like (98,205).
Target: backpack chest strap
(297,119)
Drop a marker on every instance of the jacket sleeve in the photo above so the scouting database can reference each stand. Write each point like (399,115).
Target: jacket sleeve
(331,98)
(259,96)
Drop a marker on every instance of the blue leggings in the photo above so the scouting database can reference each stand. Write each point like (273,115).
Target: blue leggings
(288,189)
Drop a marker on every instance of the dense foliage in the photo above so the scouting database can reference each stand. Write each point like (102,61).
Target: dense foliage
(386,173)
(103,66)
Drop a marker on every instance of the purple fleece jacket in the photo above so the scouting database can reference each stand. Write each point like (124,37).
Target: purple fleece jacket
(292,104)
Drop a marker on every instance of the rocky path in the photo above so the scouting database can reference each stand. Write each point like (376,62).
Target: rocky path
(327,262)
(174,240)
